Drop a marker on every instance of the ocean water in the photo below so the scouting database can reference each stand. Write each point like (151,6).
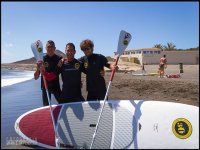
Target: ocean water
(13,76)
(19,93)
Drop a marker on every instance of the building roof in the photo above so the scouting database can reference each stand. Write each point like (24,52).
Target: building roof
(144,49)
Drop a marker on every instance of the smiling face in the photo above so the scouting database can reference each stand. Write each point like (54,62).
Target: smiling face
(50,47)
(70,52)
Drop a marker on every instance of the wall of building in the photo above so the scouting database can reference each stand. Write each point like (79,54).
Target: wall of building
(185,57)
(173,57)
(151,58)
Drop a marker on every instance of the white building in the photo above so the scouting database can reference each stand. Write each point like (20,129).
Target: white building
(153,55)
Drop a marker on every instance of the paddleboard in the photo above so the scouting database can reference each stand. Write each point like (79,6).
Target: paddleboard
(145,74)
(125,124)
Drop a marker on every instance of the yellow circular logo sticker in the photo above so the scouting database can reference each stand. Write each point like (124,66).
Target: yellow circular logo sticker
(125,42)
(77,65)
(85,64)
(46,64)
(182,128)
(39,49)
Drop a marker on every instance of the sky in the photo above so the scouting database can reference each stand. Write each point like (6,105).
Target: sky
(149,23)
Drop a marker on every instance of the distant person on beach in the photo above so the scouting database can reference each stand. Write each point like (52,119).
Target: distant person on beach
(162,66)
(143,70)
(46,66)
(94,69)
(70,71)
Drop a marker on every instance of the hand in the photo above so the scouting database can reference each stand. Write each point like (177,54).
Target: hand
(60,62)
(42,69)
(114,67)
(39,63)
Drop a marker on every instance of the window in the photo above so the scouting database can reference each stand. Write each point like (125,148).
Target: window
(138,52)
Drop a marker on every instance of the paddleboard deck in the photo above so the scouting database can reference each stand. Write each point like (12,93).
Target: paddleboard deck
(124,124)
(145,74)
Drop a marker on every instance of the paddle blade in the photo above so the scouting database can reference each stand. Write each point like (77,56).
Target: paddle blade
(37,49)
(124,40)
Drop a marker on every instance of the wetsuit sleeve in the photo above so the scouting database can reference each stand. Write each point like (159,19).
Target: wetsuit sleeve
(57,70)
(105,61)
(82,68)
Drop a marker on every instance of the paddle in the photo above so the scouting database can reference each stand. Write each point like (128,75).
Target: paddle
(37,49)
(124,39)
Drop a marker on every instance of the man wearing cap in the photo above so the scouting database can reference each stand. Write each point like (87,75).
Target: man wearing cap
(47,66)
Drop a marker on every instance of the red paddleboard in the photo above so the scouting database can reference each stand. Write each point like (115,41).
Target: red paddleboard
(37,125)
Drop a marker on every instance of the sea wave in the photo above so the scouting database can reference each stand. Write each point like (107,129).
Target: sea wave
(10,77)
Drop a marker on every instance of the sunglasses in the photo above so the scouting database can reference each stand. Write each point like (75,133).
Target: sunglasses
(87,48)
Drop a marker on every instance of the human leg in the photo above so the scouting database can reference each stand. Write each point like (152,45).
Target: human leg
(57,94)
(44,97)
(91,96)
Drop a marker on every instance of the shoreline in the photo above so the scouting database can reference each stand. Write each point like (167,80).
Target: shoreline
(123,67)
(29,67)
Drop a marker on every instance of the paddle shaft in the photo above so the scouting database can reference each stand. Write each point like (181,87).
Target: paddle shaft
(38,54)
(113,72)
(97,125)
(52,117)
(124,39)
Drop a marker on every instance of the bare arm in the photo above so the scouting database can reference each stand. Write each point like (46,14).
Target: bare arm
(37,72)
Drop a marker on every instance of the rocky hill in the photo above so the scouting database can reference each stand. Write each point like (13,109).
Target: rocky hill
(33,60)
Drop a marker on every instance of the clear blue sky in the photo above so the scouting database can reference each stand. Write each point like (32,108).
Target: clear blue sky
(149,23)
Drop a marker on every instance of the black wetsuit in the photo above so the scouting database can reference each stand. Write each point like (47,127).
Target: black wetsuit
(95,82)
(71,77)
(50,64)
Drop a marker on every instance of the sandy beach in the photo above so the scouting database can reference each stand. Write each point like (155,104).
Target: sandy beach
(126,86)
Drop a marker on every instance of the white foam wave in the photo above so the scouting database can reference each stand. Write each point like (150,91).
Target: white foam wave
(14,80)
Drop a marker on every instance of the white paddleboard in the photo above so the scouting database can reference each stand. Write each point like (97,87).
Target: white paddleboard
(145,74)
(125,124)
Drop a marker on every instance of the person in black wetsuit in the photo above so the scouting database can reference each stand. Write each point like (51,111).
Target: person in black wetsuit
(50,61)
(71,76)
(93,66)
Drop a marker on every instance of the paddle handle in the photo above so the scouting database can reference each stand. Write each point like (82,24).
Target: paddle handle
(113,72)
